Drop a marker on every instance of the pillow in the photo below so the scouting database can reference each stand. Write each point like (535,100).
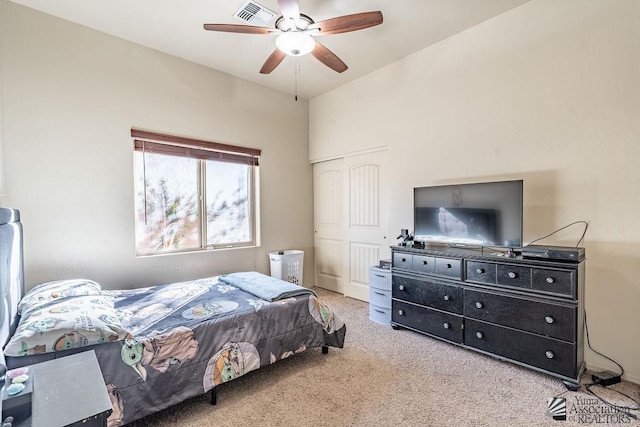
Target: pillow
(70,322)
(42,294)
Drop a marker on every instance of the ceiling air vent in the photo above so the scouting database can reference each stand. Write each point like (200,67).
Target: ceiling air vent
(254,13)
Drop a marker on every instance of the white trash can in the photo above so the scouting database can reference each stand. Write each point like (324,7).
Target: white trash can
(287,265)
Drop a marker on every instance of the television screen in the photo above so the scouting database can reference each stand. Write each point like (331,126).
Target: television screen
(479,214)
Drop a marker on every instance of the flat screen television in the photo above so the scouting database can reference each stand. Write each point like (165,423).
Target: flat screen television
(477,214)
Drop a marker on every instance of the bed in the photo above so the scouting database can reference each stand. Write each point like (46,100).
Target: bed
(160,345)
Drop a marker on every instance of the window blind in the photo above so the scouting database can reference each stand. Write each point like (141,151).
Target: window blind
(152,142)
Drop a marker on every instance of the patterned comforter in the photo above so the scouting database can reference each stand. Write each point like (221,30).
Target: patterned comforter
(187,338)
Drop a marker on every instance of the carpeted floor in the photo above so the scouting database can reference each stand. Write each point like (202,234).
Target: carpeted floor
(385,377)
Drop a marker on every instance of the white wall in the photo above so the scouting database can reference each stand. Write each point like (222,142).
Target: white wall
(547,92)
(2,162)
(71,96)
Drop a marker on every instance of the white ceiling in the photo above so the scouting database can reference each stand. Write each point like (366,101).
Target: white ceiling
(175,27)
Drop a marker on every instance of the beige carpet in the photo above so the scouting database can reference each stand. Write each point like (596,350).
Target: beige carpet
(391,378)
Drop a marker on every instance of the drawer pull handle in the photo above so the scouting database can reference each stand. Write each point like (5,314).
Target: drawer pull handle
(479,304)
(549,319)
(447,266)
(380,293)
(379,311)
(424,262)
(380,275)
(401,288)
(512,275)
(401,312)
(479,335)
(446,325)
(550,280)
(447,297)
(480,270)
(403,260)
(549,354)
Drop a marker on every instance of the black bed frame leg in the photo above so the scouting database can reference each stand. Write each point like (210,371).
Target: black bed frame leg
(325,349)
(214,396)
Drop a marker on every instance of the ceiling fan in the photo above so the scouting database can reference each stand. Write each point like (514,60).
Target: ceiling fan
(295,34)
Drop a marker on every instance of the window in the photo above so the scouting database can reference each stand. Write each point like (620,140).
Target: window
(193,195)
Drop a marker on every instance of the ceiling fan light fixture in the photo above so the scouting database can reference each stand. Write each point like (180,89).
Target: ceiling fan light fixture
(295,43)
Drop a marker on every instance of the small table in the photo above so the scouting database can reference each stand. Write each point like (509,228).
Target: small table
(67,391)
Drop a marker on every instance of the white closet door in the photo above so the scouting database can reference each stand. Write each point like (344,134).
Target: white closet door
(366,239)
(350,221)
(329,224)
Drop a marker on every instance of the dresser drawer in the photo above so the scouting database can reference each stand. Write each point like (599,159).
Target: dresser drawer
(515,276)
(424,264)
(448,267)
(481,272)
(553,320)
(434,322)
(429,292)
(401,260)
(380,278)
(559,282)
(545,353)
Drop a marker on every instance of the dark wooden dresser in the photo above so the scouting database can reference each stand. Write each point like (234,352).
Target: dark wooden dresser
(526,311)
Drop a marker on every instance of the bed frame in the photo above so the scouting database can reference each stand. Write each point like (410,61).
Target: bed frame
(12,290)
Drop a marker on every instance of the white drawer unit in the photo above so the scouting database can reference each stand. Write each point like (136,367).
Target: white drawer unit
(380,295)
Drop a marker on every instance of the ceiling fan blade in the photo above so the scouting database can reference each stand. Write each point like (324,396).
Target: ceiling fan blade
(346,23)
(290,10)
(272,61)
(244,29)
(328,58)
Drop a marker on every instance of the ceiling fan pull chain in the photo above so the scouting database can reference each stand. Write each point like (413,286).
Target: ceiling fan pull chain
(296,72)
